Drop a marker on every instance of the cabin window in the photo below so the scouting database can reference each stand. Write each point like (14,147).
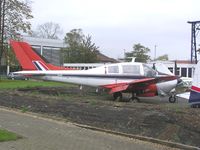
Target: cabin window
(113,69)
(131,69)
(148,71)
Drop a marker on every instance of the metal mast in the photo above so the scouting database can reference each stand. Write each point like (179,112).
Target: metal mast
(194,32)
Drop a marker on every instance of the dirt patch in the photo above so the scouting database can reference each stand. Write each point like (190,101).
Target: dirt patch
(164,121)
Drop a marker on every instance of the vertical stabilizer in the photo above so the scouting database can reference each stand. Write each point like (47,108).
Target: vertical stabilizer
(22,57)
(195,89)
(29,59)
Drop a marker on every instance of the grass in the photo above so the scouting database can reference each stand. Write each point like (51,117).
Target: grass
(7,136)
(14,84)
(24,109)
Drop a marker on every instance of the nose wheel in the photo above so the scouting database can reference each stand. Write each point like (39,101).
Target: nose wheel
(172,99)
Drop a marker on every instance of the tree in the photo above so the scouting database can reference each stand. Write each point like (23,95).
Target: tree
(139,52)
(163,57)
(14,16)
(80,48)
(48,30)
(74,37)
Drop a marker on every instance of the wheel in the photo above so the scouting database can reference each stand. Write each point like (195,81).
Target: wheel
(117,95)
(134,98)
(172,99)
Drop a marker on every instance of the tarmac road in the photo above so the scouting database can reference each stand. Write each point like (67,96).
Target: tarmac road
(46,134)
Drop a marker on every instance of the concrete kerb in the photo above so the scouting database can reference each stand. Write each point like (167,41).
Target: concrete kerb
(142,138)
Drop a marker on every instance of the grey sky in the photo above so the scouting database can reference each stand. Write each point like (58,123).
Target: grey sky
(116,25)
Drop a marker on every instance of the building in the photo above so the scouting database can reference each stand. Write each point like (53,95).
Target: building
(49,48)
(82,66)
(184,67)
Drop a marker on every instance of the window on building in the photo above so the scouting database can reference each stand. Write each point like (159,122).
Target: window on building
(190,72)
(171,69)
(131,69)
(183,72)
(113,69)
(177,71)
(37,49)
(52,55)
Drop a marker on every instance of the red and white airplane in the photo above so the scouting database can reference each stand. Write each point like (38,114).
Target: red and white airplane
(131,77)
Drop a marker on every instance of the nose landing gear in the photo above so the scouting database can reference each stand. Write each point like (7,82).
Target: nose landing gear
(172,98)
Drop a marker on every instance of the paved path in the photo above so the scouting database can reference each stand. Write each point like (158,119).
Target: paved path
(46,134)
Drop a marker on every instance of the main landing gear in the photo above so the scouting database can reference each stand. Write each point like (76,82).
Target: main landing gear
(134,98)
(118,96)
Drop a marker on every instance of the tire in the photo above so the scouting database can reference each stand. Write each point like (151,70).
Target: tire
(117,95)
(172,99)
(134,100)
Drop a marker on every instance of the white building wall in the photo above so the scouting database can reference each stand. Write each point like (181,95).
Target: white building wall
(180,68)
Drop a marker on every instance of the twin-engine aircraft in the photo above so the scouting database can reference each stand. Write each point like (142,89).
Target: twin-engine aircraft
(136,78)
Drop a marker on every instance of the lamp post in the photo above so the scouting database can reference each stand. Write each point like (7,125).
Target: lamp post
(2,24)
(155,52)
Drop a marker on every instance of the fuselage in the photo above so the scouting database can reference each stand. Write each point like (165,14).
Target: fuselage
(108,74)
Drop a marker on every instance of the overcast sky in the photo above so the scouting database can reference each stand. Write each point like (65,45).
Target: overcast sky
(116,25)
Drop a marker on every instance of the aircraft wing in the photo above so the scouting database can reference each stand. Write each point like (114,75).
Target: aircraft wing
(118,87)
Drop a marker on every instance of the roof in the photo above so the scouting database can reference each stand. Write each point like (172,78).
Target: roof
(105,59)
(183,62)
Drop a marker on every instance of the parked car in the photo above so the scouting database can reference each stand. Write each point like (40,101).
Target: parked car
(16,77)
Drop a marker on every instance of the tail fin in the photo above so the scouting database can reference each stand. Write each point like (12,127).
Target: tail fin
(195,89)
(29,59)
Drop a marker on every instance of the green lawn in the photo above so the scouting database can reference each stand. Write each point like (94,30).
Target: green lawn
(14,84)
(7,136)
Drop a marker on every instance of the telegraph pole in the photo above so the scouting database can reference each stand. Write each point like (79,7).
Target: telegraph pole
(195,27)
